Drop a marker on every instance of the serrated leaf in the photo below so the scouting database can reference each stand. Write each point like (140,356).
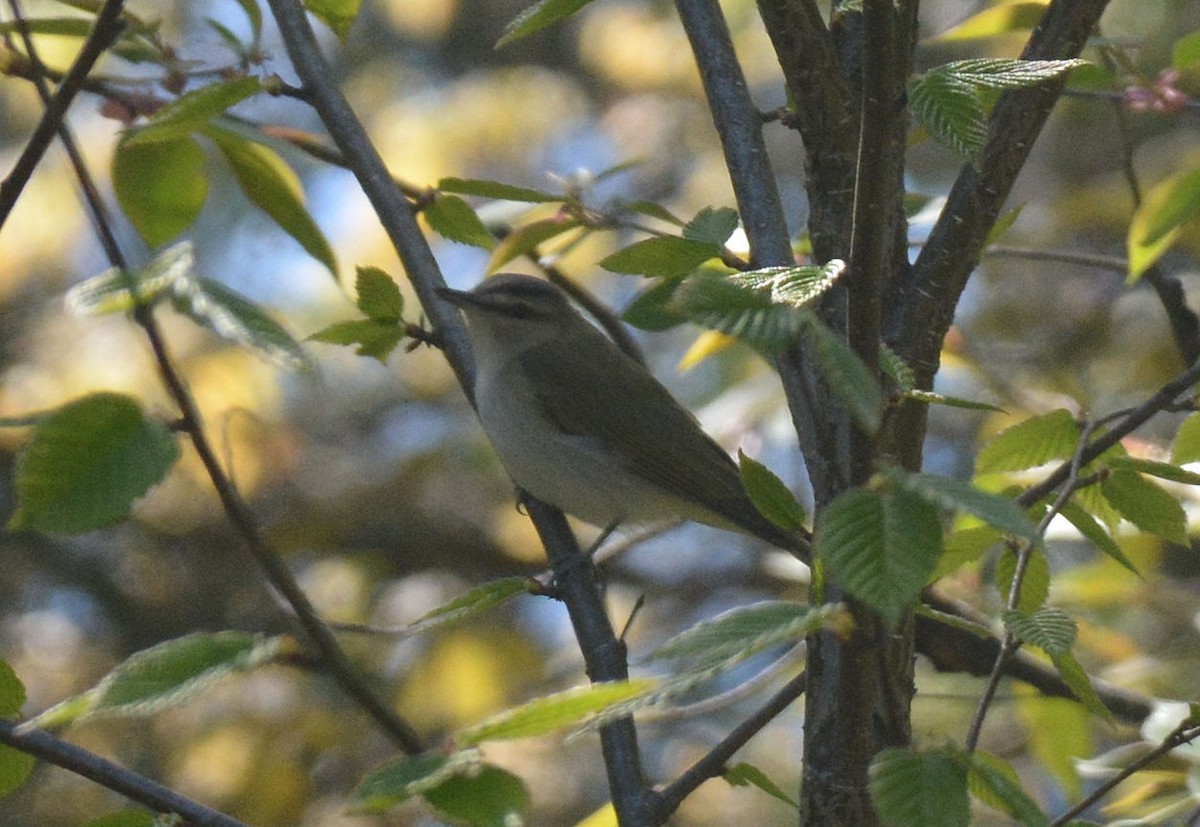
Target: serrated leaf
(527,238)
(1049,628)
(193,111)
(273,187)
(995,783)
(109,292)
(735,309)
(1077,680)
(963,546)
(880,546)
(495,190)
(920,789)
(537,17)
(554,712)
(896,369)
(654,308)
(1154,468)
(743,774)
(163,676)
(1146,505)
(712,225)
(161,185)
(1090,528)
(379,296)
(664,256)
(1157,221)
(1186,447)
(996,20)
(951,110)
(797,286)
(338,15)
(751,628)
(234,318)
(931,398)
(401,779)
(1030,443)
(12,691)
(452,218)
(1007,73)
(773,499)
(1035,583)
(87,462)
(376,339)
(475,602)
(15,768)
(955,495)
(849,380)
(487,797)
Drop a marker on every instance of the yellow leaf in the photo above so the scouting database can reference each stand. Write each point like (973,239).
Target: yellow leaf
(709,343)
(606,816)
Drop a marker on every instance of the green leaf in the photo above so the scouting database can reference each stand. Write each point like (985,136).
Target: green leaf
(996,20)
(1090,528)
(273,187)
(161,186)
(1187,441)
(1146,505)
(1077,680)
(1035,584)
(1003,224)
(654,308)
(1186,51)
(163,676)
(15,767)
(109,292)
(653,210)
(750,628)
(717,302)
(338,15)
(487,797)
(743,774)
(254,16)
(129,817)
(955,495)
(452,218)
(896,369)
(712,226)
(951,109)
(1157,221)
(376,339)
(995,783)
(660,256)
(193,111)
(1058,731)
(59,26)
(379,296)
(234,318)
(401,779)
(1030,443)
(1162,470)
(849,380)
(920,789)
(527,238)
(475,602)
(931,398)
(773,499)
(554,712)
(12,691)
(495,190)
(1008,73)
(797,286)
(881,546)
(537,17)
(87,462)
(1048,628)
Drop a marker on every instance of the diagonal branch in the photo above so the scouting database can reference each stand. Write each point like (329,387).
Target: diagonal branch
(921,318)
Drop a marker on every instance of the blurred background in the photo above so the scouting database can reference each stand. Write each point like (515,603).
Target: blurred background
(377,484)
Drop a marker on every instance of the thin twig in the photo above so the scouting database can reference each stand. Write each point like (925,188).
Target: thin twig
(1116,264)
(277,573)
(151,794)
(668,799)
(1185,733)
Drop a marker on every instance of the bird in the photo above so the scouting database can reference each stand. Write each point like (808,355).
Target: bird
(583,426)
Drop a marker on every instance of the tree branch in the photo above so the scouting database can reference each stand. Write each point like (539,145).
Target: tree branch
(151,794)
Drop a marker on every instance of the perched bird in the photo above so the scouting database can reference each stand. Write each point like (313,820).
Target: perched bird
(583,426)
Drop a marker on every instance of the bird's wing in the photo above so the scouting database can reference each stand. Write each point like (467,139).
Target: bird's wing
(668,447)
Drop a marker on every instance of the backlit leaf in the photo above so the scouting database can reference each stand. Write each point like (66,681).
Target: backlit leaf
(338,15)
(1187,441)
(1146,505)
(1098,535)
(537,17)
(955,495)
(475,602)
(527,238)
(495,190)
(660,256)
(1028,444)
(379,296)
(1157,221)
(87,463)
(554,712)
(995,783)
(1004,18)
(712,225)
(372,337)
(161,186)
(452,218)
(1035,581)
(110,292)
(193,110)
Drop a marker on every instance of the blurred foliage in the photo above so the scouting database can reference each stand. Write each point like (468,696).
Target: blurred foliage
(379,486)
